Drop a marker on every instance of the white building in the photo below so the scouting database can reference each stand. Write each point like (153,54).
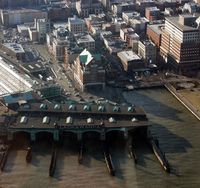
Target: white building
(42,27)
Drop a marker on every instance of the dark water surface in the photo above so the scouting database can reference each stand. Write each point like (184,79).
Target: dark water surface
(176,128)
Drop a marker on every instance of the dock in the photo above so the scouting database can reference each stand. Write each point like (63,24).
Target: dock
(53,161)
(108,159)
(131,150)
(80,153)
(183,100)
(4,149)
(159,154)
(29,154)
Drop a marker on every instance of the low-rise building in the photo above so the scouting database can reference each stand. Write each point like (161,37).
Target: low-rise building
(88,70)
(94,23)
(58,11)
(86,7)
(152,13)
(130,61)
(129,15)
(76,25)
(85,41)
(57,41)
(21,16)
(42,27)
(147,50)
(14,50)
(139,25)
(118,8)
(154,33)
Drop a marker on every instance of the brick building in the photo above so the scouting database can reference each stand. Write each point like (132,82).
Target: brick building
(154,33)
(88,70)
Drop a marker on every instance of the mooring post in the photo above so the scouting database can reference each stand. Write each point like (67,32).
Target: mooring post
(56,135)
(10,136)
(33,137)
(79,136)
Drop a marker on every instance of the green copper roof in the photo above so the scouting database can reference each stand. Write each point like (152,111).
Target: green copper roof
(83,58)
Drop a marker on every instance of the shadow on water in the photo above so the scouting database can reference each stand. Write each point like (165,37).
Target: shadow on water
(170,142)
(92,148)
(153,105)
(68,145)
(41,147)
(9,166)
(109,93)
(117,148)
(20,142)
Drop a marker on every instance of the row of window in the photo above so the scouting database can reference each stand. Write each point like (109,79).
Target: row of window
(69,120)
(73,107)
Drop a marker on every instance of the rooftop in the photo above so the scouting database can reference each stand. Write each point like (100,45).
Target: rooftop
(84,38)
(17,48)
(129,55)
(86,57)
(152,9)
(156,28)
(75,20)
(175,20)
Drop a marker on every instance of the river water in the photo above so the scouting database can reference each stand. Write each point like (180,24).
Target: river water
(178,132)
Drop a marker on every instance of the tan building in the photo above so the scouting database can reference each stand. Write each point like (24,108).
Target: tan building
(86,7)
(130,61)
(76,25)
(180,44)
(88,70)
(147,50)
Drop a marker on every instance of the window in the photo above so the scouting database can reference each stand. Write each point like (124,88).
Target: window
(57,107)
(69,120)
(90,120)
(112,120)
(23,120)
(45,120)
(101,109)
(43,106)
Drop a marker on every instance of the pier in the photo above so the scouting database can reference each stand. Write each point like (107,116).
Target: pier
(29,154)
(108,158)
(78,119)
(4,149)
(53,160)
(80,153)
(154,143)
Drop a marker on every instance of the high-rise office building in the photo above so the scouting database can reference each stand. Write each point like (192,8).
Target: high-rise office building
(180,44)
